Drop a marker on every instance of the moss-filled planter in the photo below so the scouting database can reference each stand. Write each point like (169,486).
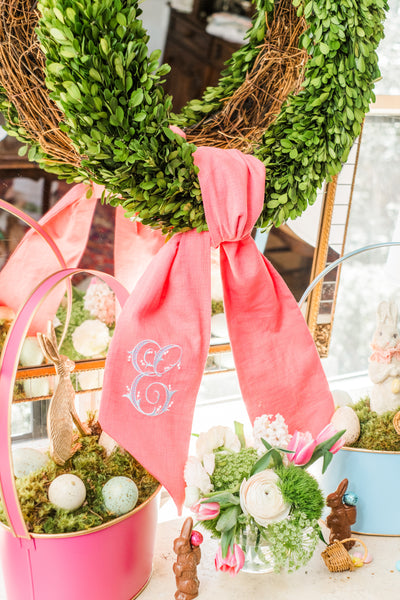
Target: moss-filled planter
(92,465)
(371,465)
(89,551)
(90,103)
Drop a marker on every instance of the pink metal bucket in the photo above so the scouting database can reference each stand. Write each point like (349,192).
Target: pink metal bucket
(111,562)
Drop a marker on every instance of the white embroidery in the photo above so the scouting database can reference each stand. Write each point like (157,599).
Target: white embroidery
(152,398)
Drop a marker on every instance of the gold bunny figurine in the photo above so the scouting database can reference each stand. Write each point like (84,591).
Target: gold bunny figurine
(61,414)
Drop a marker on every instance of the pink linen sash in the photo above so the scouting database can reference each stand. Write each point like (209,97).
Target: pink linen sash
(159,349)
(67,226)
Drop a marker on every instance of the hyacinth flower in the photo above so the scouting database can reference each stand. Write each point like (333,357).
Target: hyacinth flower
(304,450)
(233,562)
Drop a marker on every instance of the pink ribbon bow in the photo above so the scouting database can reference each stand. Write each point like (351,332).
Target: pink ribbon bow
(159,349)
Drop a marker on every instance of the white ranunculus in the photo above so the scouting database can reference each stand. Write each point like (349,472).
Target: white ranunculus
(192,495)
(209,463)
(196,475)
(91,338)
(215,438)
(261,498)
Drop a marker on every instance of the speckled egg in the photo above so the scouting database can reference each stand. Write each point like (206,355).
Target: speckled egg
(120,495)
(27,460)
(67,491)
(346,418)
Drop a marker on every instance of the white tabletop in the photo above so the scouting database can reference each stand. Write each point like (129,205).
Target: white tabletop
(375,581)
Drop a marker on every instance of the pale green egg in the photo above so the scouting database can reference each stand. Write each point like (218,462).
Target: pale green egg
(27,460)
(120,495)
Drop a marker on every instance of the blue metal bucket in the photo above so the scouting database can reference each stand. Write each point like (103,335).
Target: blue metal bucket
(374,477)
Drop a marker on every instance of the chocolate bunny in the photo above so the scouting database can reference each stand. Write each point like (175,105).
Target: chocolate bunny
(384,362)
(61,414)
(185,567)
(341,517)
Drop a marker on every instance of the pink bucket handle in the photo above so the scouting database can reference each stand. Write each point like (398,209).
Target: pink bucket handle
(8,371)
(28,220)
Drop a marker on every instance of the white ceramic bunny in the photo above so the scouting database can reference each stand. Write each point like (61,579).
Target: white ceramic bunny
(61,414)
(384,362)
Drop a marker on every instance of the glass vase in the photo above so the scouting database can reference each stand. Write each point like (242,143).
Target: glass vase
(257,551)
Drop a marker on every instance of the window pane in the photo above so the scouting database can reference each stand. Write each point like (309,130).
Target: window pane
(389,52)
(368,278)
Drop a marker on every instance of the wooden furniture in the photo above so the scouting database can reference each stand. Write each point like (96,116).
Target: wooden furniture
(196,58)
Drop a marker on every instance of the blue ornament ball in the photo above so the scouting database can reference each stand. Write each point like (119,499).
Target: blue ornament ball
(350,498)
(398,565)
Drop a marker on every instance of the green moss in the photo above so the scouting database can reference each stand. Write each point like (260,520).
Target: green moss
(301,490)
(217,306)
(92,465)
(376,431)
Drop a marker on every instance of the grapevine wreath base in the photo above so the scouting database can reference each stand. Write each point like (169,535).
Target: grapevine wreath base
(78,87)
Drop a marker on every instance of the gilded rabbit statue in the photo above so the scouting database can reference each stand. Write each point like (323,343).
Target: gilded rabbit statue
(61,414)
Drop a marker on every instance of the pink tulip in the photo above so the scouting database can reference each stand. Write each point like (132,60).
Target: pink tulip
(328,432)
(233,561)
(303,446)
(205,511)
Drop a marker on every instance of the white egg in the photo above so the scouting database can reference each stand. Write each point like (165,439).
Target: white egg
(346,418)
(341,398)
(120,495)
(28,460)
(31,353)
(67,491)
(219,326)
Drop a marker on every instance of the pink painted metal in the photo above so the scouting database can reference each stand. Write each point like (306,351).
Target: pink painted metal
(110,562)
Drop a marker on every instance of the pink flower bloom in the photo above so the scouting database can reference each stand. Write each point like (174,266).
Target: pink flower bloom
(233,561)
(328,432)
(303,446)
(205,511)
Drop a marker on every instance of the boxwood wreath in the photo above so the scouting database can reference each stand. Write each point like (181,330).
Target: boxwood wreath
(78,87)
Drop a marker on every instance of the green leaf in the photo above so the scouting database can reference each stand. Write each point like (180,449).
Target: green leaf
(262,463)
(58,35)
(239,430)
(327,460)
(140,116)
(94,74)
(57,12)
(136,98)
(228,519)
(222,498)
(226,541)
(121,19)
(73,90)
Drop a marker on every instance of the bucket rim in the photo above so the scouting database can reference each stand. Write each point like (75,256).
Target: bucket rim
(96,529)
(368,451)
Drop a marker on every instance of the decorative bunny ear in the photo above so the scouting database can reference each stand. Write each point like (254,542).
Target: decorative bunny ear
(51,334)
(387,312)
(187,527)
(393,311)
(48,344)
(342,487)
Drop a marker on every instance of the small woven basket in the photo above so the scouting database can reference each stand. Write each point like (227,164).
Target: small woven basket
(336,557)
